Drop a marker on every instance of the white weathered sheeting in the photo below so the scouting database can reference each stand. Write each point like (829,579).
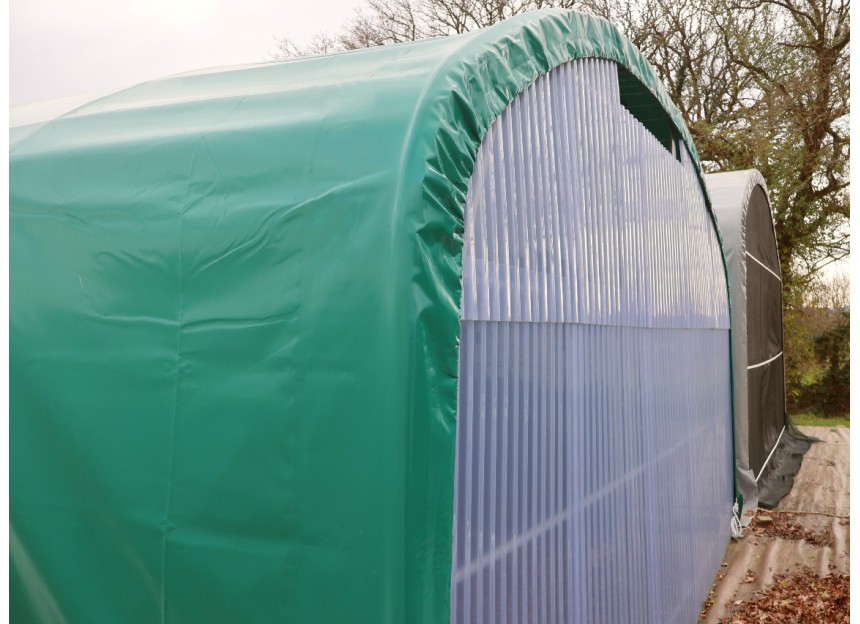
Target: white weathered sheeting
(593,471)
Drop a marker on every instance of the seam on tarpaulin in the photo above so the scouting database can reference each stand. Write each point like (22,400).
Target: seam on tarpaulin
(167,526)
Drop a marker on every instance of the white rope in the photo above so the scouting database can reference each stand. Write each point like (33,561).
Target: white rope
(765,362)
(737,527)
(764,267)
(771,454)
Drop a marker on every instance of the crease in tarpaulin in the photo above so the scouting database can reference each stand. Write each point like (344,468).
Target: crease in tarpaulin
(166,525)
(48,607)
(280,211)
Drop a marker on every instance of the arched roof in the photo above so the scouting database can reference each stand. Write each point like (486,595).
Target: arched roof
(466,80)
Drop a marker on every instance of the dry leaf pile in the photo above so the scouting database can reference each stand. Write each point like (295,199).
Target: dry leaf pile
(793,598)
(781,524)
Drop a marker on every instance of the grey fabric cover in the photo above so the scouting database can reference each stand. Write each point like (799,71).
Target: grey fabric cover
(742,209)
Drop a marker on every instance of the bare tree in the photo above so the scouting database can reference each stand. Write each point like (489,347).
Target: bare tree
(320,43)
(760,83)
(382,22)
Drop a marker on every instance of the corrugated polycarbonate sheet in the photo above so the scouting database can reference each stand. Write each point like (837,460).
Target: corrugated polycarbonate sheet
(593,470)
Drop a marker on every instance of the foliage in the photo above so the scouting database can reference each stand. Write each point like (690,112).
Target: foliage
(817,348)
(832,350)
(801,370)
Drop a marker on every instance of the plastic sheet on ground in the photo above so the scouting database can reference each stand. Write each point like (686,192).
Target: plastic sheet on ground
(820,502)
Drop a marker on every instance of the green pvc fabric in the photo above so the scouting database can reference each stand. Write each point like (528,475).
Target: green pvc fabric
(234,303)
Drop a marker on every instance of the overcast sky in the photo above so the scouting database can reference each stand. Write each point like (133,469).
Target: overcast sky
(60,48)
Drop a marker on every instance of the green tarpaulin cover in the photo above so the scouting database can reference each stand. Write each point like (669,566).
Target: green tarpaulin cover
(234,328)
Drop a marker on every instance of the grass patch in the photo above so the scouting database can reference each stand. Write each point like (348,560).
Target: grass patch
(816,420)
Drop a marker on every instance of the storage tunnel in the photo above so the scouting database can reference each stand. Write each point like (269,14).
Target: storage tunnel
(424,333)
(768,449)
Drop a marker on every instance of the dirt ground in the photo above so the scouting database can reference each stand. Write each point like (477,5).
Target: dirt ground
(792,563)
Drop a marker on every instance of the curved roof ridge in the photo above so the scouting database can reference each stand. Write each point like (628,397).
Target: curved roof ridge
(556,32)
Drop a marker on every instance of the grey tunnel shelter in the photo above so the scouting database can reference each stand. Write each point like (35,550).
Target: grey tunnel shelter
(768,450)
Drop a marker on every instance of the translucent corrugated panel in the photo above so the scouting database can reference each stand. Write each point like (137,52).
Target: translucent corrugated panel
(593,470)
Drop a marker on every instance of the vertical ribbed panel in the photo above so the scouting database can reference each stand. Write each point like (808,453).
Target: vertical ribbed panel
(593,467)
